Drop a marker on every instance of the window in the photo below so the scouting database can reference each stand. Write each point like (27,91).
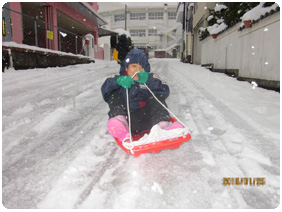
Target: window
(152,32)
(171,15)
(138,32)
(137,16)
(120,17)
(156,15)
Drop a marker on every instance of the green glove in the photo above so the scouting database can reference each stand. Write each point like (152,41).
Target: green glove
(125,81)
(143,77)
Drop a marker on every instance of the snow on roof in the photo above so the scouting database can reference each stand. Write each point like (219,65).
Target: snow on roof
(255,13)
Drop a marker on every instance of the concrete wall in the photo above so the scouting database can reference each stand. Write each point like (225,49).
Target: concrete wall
(254,51)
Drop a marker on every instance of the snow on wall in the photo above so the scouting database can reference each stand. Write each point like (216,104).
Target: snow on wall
(256,12)
(254,51)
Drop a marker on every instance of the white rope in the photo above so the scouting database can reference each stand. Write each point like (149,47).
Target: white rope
(164,106)
(129,125)
(129,120)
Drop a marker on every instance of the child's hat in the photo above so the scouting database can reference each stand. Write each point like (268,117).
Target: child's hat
(136,56)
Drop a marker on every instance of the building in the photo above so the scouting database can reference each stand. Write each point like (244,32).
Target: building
(60,26)
(228,45)
(192,16)
(151,25)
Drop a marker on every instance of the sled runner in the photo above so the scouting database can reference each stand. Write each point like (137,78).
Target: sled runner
(144,146)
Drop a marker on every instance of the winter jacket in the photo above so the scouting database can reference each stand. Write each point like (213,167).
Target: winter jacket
(122,47)
(138,94)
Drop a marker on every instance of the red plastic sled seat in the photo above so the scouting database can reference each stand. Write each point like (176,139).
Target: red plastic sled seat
(154,147)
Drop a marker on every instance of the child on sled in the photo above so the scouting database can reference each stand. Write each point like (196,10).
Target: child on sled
(145,110)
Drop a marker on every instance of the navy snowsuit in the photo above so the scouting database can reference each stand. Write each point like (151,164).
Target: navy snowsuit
(145,110)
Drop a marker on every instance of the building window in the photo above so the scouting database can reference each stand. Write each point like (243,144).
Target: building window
(119,18)
(137,16)
(156,15)
(152,32)
(138,32)
(171,15)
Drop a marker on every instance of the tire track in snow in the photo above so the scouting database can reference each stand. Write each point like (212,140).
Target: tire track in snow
(233,148)
(98,174)
(41,162)
(44,163)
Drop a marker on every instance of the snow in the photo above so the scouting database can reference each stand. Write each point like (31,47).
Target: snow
(57,153)
(158,134)
(122,31)
(43,50)
(216,28)
(255,13)
(210,17)
(219,7)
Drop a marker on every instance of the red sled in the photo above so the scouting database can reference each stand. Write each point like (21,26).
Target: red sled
(154,147)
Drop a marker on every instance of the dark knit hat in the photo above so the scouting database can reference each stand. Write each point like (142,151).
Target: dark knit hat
(136,56)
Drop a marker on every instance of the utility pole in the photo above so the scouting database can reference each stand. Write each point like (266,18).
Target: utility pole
(183,34)
(125,22)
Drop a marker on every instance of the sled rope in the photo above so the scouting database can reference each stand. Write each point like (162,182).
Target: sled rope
(164,106)
(129,123)
(129,120)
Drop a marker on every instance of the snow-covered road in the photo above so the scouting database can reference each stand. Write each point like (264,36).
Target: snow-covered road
(57,153)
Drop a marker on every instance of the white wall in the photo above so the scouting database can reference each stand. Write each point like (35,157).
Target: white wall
(254,51)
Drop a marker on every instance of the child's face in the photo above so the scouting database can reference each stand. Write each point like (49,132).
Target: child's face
(132,69)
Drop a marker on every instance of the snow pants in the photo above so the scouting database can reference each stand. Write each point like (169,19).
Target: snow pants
(142,119)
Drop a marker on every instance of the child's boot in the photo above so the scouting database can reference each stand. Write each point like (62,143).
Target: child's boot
(175,125)
(118,127)
(165,125)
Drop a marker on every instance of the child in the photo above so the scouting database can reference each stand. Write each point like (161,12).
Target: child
(145,110)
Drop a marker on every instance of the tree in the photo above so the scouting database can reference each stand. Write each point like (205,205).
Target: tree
(236,10)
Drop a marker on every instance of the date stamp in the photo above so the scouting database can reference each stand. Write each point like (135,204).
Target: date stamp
(250,181)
